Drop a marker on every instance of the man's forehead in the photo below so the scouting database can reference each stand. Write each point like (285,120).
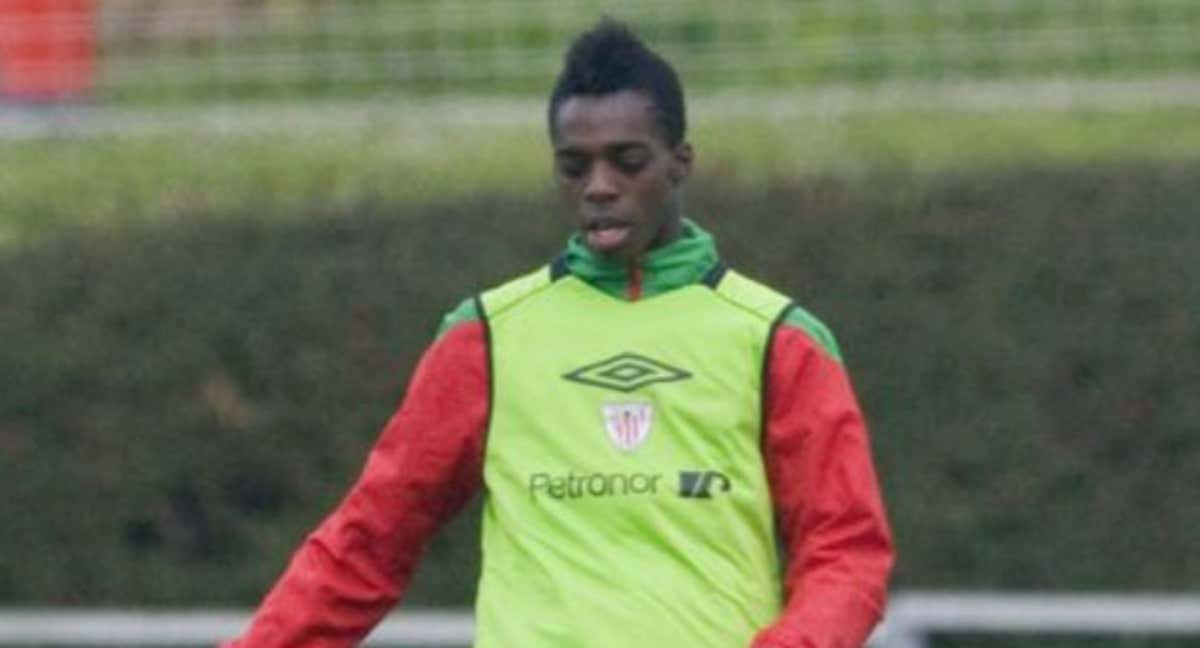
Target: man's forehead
(626,115)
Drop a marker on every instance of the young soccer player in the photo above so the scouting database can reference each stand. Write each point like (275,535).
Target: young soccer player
(650,430)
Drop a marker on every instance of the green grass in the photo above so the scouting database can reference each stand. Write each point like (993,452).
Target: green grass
(48,184)
(359,49)
(939,142)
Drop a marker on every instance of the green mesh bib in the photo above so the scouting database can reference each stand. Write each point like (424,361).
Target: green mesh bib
(626,502)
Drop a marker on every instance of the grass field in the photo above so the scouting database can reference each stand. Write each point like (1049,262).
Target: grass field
(174,52)
(50,183)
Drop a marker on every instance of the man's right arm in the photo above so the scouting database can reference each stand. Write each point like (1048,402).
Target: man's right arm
(426,465)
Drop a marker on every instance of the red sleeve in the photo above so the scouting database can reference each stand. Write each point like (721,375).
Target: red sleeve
(827,501)
(426,465)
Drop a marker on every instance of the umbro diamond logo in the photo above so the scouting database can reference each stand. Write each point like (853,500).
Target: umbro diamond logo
(626,372)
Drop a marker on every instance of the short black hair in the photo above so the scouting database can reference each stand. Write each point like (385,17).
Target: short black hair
(609,58)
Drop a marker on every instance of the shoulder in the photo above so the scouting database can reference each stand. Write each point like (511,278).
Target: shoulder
(758,299)
(507,295)
(780,310)
(797,319)
(465,313)
(495,300)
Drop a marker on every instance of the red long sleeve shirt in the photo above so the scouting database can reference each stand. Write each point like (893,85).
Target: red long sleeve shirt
(427,464)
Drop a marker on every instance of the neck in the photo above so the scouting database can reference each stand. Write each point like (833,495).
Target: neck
(681,259)
(668,233)
(670,230)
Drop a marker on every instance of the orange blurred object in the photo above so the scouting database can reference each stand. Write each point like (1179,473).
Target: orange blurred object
(47,49)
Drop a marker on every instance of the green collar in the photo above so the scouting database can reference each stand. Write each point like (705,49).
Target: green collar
(689,259)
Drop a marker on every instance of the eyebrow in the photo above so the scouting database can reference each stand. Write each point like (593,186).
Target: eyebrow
(613,147)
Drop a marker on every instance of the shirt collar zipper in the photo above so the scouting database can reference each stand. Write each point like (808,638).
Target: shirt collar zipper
(635,282)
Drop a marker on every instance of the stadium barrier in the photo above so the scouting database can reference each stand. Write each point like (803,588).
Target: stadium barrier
(913,618)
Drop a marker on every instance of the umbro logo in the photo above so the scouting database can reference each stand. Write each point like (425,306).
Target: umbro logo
(626,372)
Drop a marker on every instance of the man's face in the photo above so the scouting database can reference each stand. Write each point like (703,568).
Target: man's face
(617,172)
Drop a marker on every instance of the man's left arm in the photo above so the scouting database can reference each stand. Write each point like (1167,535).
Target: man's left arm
(826,496)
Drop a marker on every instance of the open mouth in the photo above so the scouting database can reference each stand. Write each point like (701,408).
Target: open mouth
(606,235)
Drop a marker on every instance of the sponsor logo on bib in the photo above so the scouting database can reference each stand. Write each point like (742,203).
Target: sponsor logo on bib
(701,483)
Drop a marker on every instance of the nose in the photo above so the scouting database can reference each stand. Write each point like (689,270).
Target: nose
(602,184)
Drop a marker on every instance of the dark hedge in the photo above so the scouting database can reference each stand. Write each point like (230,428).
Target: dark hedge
(183,401)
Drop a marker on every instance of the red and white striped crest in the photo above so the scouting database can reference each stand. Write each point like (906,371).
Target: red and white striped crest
(628,424)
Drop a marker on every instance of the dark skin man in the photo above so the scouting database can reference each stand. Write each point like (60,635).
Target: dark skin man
(576,397)
(616,170)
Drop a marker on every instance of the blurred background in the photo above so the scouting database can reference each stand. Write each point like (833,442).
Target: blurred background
(229,228)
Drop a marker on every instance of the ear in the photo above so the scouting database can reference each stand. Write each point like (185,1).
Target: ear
(681,163)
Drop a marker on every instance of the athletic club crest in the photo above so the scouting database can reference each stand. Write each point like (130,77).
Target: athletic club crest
(628,424)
